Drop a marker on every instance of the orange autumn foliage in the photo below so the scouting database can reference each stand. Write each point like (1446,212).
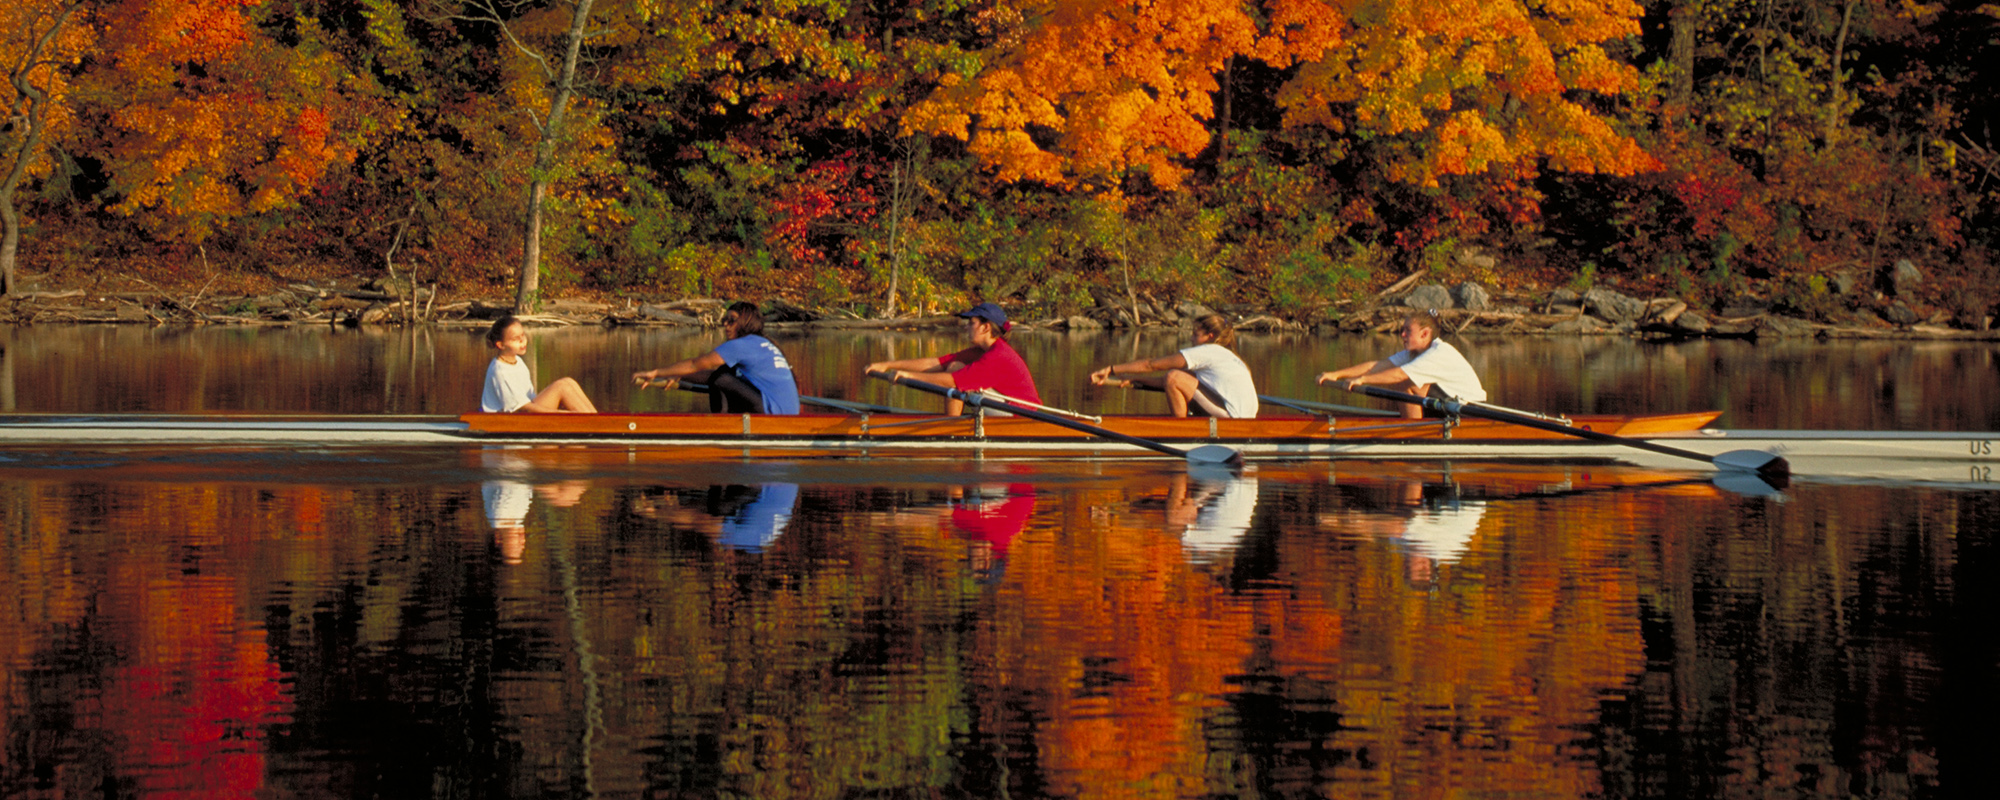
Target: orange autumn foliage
(1091,90)
(1473,85)
(213,118)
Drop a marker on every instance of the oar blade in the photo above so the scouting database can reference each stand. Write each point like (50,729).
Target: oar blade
(1747,484)
(1756,462)
(1214,454)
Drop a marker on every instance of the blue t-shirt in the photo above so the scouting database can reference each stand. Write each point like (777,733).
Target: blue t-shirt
(764,366)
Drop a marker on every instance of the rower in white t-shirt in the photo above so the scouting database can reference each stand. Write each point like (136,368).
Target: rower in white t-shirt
(1208,378)
(1427,366)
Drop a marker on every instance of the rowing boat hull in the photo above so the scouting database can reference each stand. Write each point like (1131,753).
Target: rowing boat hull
(864,428)
(859,431)
(1956,457)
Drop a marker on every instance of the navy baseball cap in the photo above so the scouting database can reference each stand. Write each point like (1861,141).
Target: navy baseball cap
(990,313)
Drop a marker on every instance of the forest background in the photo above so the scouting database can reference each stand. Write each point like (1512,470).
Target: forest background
(901,157)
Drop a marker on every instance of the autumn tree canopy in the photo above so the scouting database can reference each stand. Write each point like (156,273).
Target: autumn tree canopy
(1083,89)
(1284,152)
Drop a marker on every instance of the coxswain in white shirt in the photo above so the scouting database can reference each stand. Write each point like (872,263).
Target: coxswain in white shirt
(510,386)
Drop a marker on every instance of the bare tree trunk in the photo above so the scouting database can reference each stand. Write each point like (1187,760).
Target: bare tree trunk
(1837,82)
(895,243)
(1223,119)
(1684,20)
(10,221)
(902,195)
(1131,292)
(528,293)
(32,105)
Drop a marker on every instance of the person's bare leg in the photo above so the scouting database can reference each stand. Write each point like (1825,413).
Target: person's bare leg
(562,394)
(1181,386)
(1413,410)
(573,398)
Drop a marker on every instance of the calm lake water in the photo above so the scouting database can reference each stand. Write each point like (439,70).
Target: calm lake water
(568,622)
(1856,385)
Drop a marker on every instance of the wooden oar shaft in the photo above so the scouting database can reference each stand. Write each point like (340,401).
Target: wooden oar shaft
(849,406)
(1306,406)
(1311,407)
(978,400)
(1474,410)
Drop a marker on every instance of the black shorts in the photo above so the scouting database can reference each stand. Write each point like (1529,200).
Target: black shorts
(1207,402)
(729,392)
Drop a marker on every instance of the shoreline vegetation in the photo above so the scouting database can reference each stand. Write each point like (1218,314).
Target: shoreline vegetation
(1467,307)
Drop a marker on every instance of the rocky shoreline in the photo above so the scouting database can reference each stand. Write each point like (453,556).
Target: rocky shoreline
(1465,308)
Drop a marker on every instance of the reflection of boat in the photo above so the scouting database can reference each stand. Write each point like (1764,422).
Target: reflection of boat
(1950,457)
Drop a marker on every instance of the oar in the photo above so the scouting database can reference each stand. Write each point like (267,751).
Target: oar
(849,406)
(1766,465)
(1301,406)
(1311,407)
(1205,454)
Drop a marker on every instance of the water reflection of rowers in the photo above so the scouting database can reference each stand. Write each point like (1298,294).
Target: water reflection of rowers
(745,518)
(1212,506)
(986,516)
(745,375)
(506,499)
(990,516)
(1432,525)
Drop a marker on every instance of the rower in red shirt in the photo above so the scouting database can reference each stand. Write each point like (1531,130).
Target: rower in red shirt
(990,363)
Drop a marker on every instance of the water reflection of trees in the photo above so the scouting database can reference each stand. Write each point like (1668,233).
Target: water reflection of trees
(1853,384)
(371,641)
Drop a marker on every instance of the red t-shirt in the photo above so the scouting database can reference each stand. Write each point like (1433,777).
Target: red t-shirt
(999,368)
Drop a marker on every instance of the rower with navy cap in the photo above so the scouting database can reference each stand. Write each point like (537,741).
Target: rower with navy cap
(990,363)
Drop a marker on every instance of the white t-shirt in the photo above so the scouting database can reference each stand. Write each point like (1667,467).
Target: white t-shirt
(1443,366)
(508,386)
(1219,368)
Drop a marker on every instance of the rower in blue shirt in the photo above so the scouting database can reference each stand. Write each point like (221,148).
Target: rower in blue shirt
(745,375)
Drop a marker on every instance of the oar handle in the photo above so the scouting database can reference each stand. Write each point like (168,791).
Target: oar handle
(672,383)
(978,400)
